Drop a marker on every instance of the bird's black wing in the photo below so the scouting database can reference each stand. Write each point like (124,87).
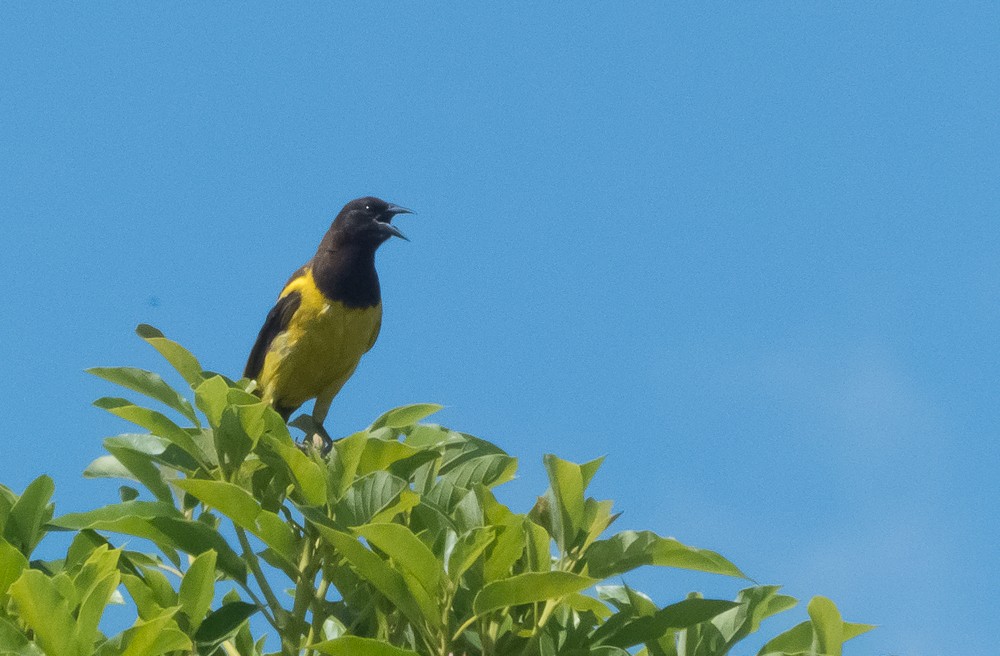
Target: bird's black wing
(276,322)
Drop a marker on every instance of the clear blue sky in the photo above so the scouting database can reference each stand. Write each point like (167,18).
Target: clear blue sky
(750,252)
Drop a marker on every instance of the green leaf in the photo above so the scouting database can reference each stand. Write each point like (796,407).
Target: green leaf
(380,454)
(367,497)
(406,415)
(222,624)
(243,509)
(140,464)
(154,422)
(410,554)
(537,546)
(638,630)
(179,357)
(92,605)
(161,523)
(829,627)
(43,608)
(344,461)
(505,551)
(585,603)
(12,564)
(108,517)
(198,588)
(28,514)
(631,549)
(566,484)
(238,431)
(148,383)
(796,640)
(231,500)
(528,588)
(157,449)
(417,606)
(468,549)
(155,636)
(309,476)
(489,471)
(756,605)
(212,396)
(15,643)
(355,646)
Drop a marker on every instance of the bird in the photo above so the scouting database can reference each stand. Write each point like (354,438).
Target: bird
(327,316)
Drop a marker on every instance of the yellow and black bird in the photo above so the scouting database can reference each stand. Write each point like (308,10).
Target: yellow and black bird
(327,316)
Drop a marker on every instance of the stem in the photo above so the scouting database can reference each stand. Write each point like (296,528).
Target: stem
(258,575)
(318,617)
(461,629)
(303,595)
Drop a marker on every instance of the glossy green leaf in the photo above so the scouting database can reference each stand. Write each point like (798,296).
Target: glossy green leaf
(367,496)
(15,643)
(356,646)
(631,549)
(411,555)
(179,357)
(468,549)
(829,627)
(309,476)
(12,564)
(157,449)
(344,462)
(755,605)
(380,454)
(140,465)
(197,588)
(538,547)
(566,486)
(223,623)
(29,514)
(154,422)
(506,550)
(527,588)
(212,396)
(92,604)
(149,384)
(489,471)
(43,608)
(638,630)
(155,636)
(161,523)
(417,607)
(405,415)
(231,500)
(796,640)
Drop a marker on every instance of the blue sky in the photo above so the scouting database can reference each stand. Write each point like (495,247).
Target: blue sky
(749,251)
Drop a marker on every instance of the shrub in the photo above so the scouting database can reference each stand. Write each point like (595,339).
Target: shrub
(392,545)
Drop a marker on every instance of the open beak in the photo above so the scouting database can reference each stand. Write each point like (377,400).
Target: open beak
(396,209)
(388,214)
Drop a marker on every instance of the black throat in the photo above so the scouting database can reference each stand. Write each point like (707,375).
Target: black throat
(345,272)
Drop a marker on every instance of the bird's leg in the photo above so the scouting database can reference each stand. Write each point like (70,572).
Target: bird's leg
(320,440)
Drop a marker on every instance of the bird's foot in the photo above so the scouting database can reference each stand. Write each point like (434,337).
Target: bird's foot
(319,441)
(316,438)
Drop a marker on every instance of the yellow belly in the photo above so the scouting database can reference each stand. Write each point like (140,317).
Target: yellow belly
(319,350)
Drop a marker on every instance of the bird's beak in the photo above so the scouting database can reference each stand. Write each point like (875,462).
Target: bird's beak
(393,210)
(392,230)
(390,212)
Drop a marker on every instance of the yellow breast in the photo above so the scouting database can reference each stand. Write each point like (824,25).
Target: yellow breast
(319,350)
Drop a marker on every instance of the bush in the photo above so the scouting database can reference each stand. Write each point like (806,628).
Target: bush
(392,545)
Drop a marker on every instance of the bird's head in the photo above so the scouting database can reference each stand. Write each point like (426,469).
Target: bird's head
(368,220)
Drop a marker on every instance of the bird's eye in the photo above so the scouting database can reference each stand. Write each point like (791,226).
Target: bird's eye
(368,208)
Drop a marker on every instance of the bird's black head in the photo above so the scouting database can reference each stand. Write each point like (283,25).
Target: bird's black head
(368,220)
